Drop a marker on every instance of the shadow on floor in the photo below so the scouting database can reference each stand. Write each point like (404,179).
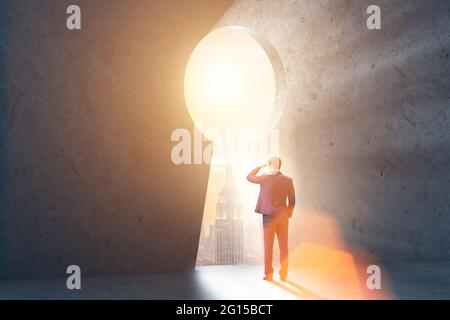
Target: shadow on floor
(297,290)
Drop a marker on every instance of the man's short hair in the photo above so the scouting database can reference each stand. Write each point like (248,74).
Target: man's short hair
(275,162)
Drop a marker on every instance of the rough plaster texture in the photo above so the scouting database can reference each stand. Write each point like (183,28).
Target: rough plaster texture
(86,119)
(365,127)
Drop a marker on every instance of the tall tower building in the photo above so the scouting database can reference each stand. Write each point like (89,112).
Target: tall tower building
(229,226)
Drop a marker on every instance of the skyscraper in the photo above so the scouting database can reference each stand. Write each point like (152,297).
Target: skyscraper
(229,225)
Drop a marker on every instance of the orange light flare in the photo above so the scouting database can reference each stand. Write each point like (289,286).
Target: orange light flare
(324,263)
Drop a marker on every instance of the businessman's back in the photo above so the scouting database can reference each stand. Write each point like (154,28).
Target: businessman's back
(275,189)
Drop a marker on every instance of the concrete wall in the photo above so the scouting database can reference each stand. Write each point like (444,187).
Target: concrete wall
(86,118)
(365,129)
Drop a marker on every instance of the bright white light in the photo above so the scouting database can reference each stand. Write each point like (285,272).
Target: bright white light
(221,85)
(239,282)
(229,81)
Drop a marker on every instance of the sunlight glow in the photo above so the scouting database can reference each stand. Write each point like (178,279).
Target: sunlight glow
(229,81)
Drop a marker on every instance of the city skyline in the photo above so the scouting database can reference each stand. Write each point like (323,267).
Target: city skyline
(224,241)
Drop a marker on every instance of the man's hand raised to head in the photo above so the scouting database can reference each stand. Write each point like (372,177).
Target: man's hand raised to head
(253,177)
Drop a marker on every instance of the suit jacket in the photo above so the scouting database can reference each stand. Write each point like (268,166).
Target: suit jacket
(274,191)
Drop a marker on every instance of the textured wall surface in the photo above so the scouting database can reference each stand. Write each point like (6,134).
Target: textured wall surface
(86,119)
(365,129)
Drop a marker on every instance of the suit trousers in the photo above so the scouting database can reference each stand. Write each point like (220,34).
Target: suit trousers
(278,225)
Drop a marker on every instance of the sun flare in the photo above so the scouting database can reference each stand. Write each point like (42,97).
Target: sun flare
(229,81)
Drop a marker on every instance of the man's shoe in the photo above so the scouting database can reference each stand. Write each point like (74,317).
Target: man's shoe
(268,277)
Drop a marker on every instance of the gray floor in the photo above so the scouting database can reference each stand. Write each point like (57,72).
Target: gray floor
(406,280)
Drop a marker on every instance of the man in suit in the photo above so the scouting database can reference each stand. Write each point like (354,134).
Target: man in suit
(276,203)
